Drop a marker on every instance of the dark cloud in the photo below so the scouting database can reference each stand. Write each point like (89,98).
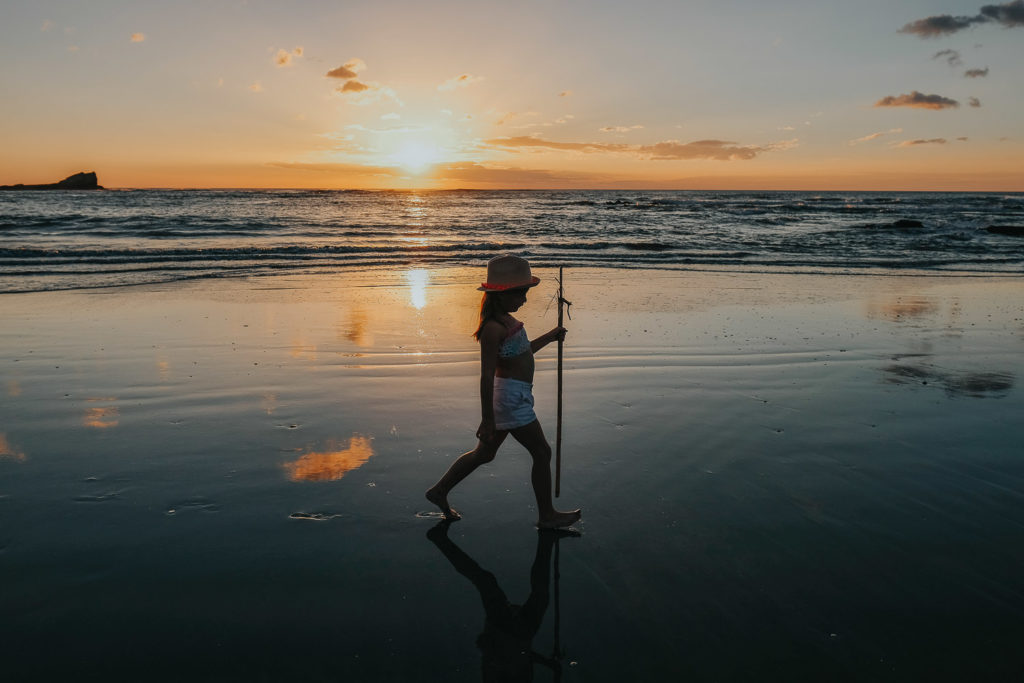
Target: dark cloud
(944,24)
(976,73)
(974,102)
(952,57)
(917,100)
(669,150)
(915,143)
(1010,15)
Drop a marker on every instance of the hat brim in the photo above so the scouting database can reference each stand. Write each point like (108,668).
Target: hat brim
(488,287)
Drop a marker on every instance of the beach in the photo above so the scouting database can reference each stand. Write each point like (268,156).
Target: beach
(783,476)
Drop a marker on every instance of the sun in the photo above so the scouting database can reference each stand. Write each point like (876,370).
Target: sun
(416,157)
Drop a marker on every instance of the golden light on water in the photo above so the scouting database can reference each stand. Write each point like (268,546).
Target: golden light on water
(331,465)
(418,280)
(102,416)
(8,451)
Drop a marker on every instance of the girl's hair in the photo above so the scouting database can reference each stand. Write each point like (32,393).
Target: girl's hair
(488,311)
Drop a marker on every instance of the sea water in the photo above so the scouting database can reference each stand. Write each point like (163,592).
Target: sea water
(62,240)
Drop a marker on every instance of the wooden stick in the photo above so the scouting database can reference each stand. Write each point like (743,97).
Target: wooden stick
(558,428)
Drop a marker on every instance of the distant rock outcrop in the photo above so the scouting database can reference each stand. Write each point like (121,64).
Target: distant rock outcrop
(79,181)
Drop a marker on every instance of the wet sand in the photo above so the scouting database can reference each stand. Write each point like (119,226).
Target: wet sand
(783,477)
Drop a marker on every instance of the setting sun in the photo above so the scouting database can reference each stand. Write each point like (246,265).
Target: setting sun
(416,157)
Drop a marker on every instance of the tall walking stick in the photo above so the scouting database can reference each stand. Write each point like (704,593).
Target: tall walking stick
(558,429)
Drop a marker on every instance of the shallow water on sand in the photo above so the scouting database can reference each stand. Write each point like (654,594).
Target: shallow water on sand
(782,477)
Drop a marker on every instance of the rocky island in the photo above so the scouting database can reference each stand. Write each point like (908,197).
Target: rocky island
(78,181)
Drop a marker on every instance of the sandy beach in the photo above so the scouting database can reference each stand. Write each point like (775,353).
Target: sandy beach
(782,476)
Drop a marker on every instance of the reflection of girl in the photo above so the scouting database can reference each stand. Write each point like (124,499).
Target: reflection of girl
(506,644)
(506,390)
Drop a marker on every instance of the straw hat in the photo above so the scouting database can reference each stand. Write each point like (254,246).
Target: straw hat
(508,272)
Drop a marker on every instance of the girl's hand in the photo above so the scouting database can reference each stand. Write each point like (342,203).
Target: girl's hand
(558,334)
(486,431)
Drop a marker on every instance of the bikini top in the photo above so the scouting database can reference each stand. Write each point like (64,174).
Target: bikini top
(516,342)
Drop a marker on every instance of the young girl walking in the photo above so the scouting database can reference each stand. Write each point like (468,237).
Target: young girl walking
(506,390)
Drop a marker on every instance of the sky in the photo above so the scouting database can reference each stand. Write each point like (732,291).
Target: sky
(561,94)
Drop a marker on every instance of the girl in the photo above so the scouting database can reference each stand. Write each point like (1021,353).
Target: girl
(506,390)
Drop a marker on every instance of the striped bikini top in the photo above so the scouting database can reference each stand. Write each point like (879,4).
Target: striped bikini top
(516,342)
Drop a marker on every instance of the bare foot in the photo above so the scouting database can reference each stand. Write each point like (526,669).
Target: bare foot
(558,519)
(441,501)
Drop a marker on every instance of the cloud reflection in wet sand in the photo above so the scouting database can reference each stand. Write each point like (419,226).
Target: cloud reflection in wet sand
(8,451)
(101,417)
(333,464)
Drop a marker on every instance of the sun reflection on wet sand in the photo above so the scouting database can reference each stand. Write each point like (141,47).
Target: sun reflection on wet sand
(101,417)
(418,280)
(8,451)
(331,465)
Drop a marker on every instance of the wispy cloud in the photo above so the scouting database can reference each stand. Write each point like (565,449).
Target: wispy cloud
(976,73)
(719,150)
(952,57)
(256,87)
(874,136)
(1010,15)
(285,58)
(619,129)
(974,102)
(460,81)
(363,92)
(47,25)
(565,93)
(138,37)
(915,143)
(918,100)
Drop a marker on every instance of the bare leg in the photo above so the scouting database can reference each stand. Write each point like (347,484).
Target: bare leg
(532,437)
(460,469)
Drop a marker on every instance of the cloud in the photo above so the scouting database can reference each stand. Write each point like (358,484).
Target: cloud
(256,87)
(565,93)
(964,139)
(618,129)
(952,57)
(390,116)
(976,73)
(47,25)
(506,177)
(1010,15)
(974,102)
(915,143)
(284,58)
(459,82)
(349,69)
(138,37)
(874,136)
(943,24)
(669,150)
(918,100)
(353,86)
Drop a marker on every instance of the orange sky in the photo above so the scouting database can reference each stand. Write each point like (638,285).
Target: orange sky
(702,95)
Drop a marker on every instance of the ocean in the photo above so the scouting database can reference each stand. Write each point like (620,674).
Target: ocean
(69,240)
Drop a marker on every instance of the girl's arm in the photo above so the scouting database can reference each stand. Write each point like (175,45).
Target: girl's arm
(490,340)
(546,338)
